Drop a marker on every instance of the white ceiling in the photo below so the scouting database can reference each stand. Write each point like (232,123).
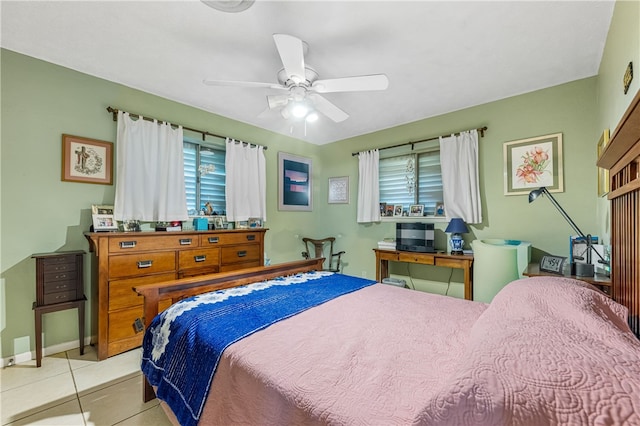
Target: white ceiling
(440,56)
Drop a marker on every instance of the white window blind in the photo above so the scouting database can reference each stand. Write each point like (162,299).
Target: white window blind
(203,184)
(412,179)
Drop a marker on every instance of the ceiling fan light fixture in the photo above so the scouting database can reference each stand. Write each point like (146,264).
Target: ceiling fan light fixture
(299,110)
(230,6)
(312,117)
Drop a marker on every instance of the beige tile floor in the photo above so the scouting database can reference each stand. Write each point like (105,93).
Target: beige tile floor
(73,389)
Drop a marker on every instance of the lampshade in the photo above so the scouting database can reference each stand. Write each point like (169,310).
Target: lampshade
(457,226)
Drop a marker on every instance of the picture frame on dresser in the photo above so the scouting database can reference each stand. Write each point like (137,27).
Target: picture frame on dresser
(103,219)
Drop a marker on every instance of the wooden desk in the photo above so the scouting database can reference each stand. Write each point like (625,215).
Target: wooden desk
(601,281)
(438,259)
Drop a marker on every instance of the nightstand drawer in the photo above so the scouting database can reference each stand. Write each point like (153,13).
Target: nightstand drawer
(136,243)
(141,264)
(67,275)
(51,266)
(69,284)
(240,253)
(59,297)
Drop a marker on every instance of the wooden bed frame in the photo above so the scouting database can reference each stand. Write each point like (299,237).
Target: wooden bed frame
(176,290)
(622,158)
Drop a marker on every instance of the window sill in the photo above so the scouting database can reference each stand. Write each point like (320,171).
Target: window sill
(429,219)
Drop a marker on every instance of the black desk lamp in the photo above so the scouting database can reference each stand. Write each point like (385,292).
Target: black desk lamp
(582,269)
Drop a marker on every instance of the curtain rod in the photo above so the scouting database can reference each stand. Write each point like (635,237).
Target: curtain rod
(114,112)
(480,130)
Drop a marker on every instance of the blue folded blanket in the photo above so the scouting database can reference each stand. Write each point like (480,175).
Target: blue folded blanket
(183,345)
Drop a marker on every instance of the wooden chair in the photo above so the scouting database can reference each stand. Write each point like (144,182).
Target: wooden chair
(333,260)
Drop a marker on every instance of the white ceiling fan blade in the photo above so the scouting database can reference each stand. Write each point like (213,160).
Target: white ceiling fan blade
(327,108)
(352,84)
(210,82)
(292,55)
(276,101)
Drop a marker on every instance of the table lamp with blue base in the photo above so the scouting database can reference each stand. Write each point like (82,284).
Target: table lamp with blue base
(456,227)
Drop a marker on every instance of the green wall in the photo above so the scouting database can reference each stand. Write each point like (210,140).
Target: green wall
(40,213)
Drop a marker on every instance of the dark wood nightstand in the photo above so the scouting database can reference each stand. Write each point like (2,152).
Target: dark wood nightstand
(601,281)
(59,286)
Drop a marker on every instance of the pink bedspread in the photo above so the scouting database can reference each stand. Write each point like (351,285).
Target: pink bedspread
(546,351)
(375,358)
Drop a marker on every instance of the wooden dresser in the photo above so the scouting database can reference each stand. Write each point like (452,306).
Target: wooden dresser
(127,259)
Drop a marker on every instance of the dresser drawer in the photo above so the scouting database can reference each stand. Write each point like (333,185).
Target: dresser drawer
(121,322)
(424,259)
(136,243)
(121,294)
(141,264)
(240,253)
(205,258)
(230,238)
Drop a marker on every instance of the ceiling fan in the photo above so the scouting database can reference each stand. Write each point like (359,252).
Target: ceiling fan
(303,87)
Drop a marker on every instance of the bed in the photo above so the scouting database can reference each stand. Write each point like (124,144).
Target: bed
(547,350)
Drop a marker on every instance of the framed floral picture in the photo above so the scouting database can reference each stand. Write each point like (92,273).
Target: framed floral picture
(532,163)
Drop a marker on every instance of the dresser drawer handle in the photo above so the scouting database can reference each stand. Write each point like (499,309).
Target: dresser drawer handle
(127,244)
(145,264)
(242,253)
(60,297)
(185,241)
(61,276)
(58,287)
(213,240)
(61,268)
(251,237)
(200,258)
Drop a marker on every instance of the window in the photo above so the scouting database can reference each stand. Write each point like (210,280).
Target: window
(204,175)
(414,178)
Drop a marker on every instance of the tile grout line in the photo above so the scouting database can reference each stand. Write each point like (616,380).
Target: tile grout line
(75,387)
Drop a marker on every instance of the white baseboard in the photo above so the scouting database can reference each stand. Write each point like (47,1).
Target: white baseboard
(49,350)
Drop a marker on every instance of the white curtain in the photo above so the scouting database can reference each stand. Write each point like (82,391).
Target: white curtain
(368,187)
(246,181)
(460,183)
(150,171)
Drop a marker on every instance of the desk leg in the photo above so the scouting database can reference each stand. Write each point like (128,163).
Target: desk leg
(38,315)
(382,270)
(81,325)
(468,285)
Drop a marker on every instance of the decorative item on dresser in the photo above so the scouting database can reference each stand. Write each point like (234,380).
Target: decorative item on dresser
(59,286)
(125,260)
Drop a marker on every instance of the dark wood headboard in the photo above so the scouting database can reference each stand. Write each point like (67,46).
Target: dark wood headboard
(622,158)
